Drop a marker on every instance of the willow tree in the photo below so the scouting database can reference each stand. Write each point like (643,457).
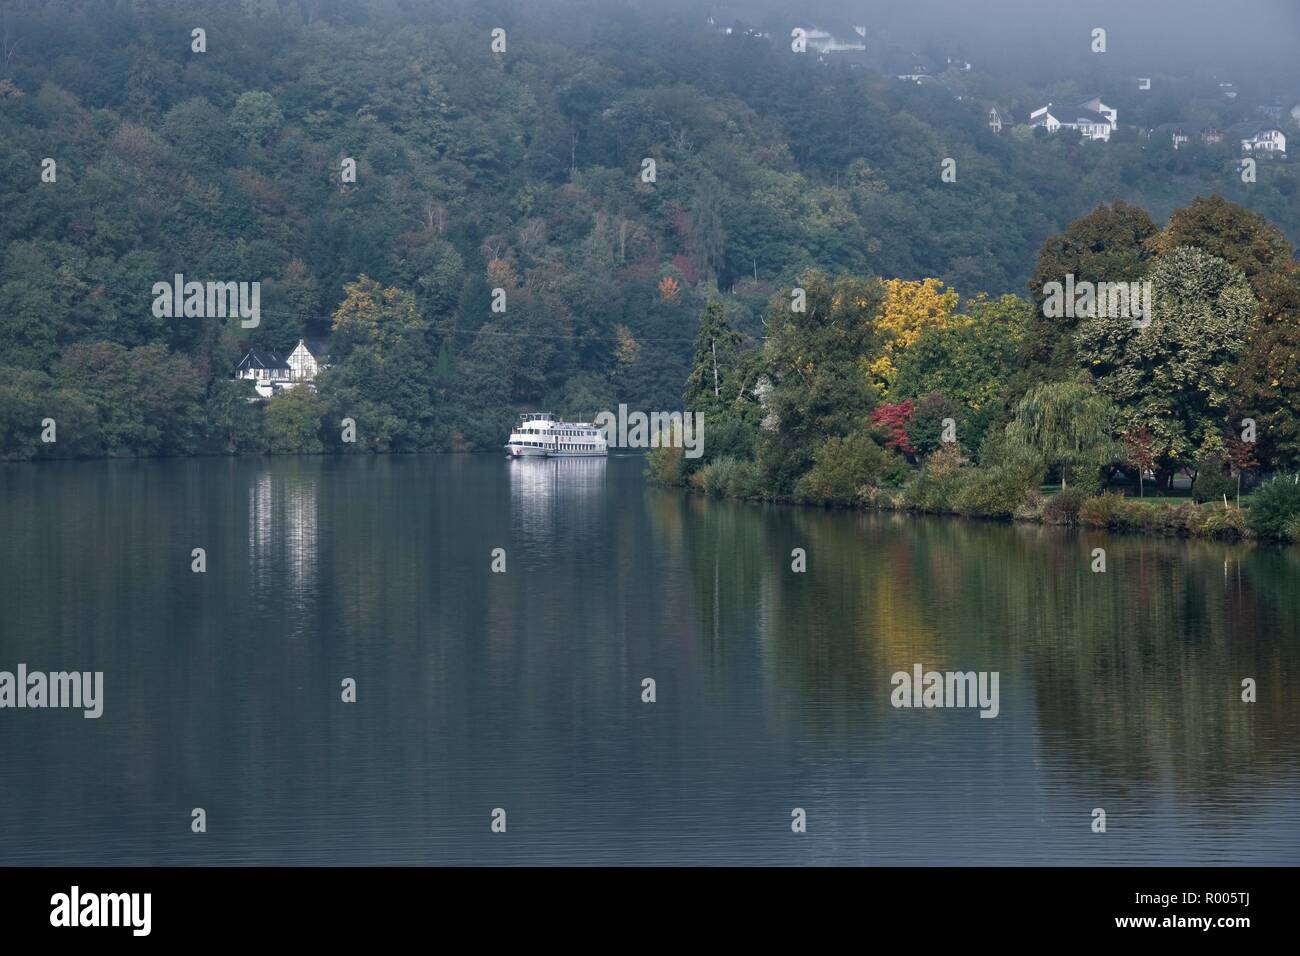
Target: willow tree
(1070,424)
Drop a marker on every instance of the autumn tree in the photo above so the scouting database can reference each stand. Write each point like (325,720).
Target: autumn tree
(1140,452)
(972,359)
(909,309)
(1241,458)
(892,422)
(627,349)
(669,290)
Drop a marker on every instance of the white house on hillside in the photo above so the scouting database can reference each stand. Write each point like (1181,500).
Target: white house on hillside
(1260,140)
(1045,118)
(307,360)
(1092,118)
(271,374)
(1097,106)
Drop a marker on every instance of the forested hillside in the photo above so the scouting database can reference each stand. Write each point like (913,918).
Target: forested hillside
(475,170)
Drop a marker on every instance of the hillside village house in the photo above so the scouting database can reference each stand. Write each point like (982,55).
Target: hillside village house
(1260,140)
(1092,118)
(271,373)
(307,360)
(837,39)
(998,119)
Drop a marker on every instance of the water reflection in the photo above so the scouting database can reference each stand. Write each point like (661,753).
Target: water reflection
(546,491)
(1119,684)
(283,544)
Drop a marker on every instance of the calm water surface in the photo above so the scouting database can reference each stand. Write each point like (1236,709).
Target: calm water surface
(523,690)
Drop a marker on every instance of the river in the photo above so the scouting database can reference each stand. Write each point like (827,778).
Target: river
(523,690)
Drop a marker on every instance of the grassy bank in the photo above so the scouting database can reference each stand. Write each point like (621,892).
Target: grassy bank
(1008,489)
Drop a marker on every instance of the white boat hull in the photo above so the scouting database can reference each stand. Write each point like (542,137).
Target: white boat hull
(516,451)
(521,451)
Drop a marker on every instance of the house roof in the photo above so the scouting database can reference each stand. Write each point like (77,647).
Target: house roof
(260,358)
(1082,115)
(319,348)
(1251,130)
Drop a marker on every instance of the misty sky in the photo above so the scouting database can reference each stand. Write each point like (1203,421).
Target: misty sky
(1256,40)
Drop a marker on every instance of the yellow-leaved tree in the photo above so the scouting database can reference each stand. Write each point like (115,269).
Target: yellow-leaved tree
(910,307)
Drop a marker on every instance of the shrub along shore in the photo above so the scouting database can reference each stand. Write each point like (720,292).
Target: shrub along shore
(944,487)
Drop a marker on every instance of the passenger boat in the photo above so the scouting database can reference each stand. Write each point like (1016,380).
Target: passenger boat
(542,435)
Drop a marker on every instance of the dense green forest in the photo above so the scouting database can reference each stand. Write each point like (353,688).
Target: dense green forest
(521,170)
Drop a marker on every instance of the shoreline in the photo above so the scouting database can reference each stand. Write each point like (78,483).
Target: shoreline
(1121,514)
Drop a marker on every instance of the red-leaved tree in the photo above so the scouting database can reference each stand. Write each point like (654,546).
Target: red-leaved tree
(892,420)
